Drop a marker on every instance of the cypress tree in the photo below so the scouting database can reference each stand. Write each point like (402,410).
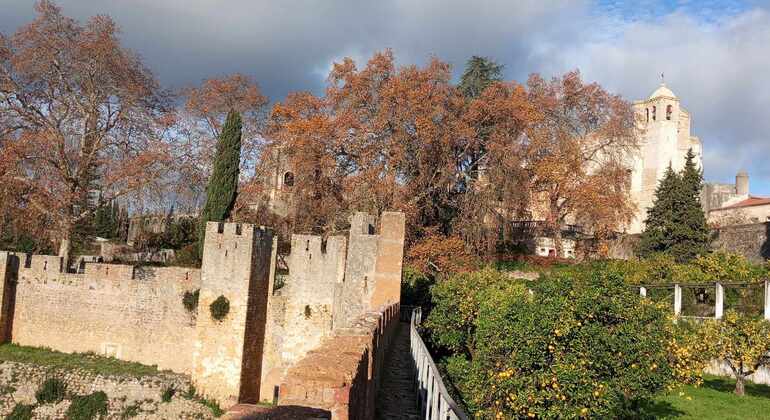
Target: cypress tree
(223,183)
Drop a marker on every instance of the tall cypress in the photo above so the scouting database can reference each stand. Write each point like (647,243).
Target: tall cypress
(222,188)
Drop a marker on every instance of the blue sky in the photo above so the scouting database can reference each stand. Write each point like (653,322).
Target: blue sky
(715,54)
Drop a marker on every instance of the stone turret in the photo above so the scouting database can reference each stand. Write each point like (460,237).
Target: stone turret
(742,183)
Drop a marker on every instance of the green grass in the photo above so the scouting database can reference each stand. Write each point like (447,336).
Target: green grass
(86,361)
(714,400)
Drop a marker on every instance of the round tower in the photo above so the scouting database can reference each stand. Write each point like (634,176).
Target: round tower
(742,183)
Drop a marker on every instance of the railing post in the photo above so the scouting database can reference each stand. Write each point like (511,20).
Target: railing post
(677,300)
(720,302)
(642,291)
(767,299)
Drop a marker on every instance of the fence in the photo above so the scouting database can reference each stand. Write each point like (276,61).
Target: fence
(433,399)
(719,295)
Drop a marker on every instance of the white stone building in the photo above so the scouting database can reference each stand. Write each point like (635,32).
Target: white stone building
(665,139)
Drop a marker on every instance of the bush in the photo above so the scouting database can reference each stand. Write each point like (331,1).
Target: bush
(188,256)
(220,308)
(415,288)
(52,390)
(87,407)
(21,412)
(457,300)
(577,346)
(190,300)
(168,394)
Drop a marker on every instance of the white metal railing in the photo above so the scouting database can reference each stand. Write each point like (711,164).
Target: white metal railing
(719,301)
(432,397)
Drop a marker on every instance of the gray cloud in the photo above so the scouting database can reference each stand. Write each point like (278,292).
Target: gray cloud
(720,69)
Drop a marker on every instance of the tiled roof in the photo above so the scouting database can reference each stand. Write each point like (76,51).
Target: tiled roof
(751,201)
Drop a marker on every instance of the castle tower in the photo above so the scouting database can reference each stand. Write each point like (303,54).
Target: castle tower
(227,358)
(664,126)
(742,183)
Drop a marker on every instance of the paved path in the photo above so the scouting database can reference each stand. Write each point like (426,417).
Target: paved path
(396,398)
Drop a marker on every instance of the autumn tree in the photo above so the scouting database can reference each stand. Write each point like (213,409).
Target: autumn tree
(576,155)
(381,138)
(492,173)
(80,112)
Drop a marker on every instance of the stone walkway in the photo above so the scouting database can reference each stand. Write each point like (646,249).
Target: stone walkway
(396,398)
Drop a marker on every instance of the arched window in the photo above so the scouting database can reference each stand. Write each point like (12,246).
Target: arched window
(648,114)
(654,112)
(669,110)
(288,179)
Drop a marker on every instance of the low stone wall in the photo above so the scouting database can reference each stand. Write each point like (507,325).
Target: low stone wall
(113,310)
(761,376)
(343,374)
(751,240)
(143,396)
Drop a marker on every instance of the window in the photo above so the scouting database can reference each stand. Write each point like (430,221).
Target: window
(669,110)
(648,114)
(654,111)
(288,179)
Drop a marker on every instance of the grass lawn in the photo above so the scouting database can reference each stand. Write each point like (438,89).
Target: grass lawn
(85,361)
(714,400)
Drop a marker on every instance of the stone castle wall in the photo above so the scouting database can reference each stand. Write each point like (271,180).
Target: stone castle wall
(114,310)
(751,240)
(138,314)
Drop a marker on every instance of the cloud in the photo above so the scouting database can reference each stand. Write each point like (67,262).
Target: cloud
(712,51)
(719,70)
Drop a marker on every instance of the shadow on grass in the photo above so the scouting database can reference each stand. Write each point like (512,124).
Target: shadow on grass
(659,409)
(728,385)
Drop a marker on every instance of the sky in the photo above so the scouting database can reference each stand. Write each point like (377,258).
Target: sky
(715,54)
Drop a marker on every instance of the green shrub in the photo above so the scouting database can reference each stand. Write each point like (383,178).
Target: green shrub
(168,394)
(457,301)
(220,307)
(188,256)
(415,287)
(87,407)
(21,412)
(576,346)
(52,390)
(130,411)
(190,300)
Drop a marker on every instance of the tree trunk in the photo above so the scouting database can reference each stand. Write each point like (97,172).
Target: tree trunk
(739,386)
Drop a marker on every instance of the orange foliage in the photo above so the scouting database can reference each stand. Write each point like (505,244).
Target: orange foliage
(445,254)
(79,112)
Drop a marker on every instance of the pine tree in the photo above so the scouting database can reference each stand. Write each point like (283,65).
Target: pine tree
(657,235)
(691,232)
(223,183)
(676,224)
(479,73)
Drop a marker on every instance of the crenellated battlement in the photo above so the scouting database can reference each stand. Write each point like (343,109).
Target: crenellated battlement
(142,313)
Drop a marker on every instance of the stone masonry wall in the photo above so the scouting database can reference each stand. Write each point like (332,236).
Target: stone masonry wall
(113,310)
(227,353)
(342,375)
(751,240)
